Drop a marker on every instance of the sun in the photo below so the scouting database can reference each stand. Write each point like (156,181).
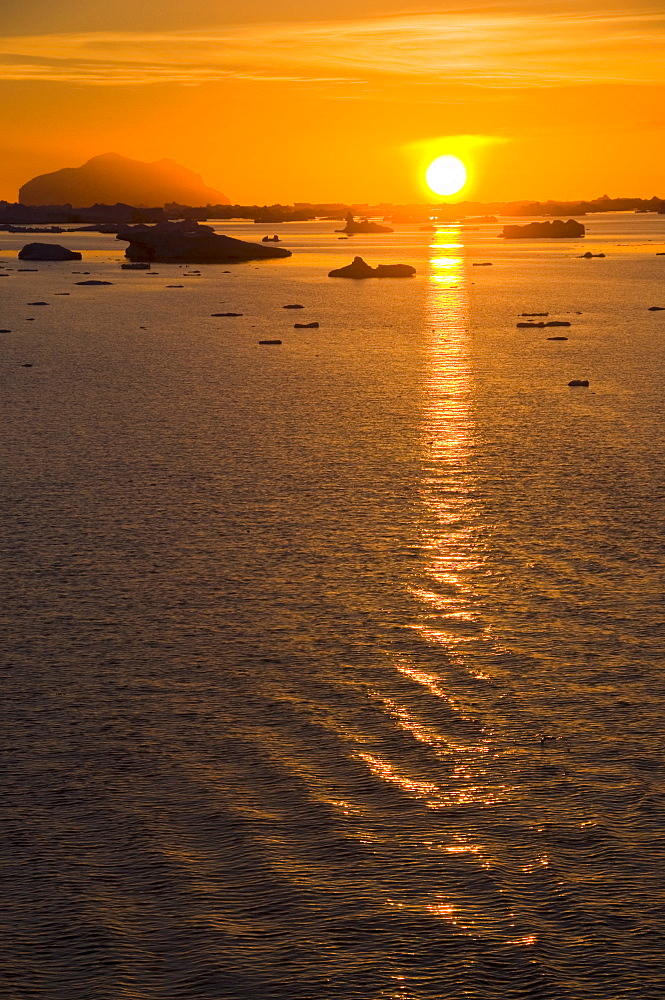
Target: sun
(446,175)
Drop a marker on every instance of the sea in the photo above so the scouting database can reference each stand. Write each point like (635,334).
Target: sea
(334,669)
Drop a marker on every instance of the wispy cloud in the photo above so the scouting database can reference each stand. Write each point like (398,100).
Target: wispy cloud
(491,50)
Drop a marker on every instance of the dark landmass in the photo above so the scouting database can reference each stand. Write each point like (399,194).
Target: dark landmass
(360,269)
(474,211)
(52,230)
(556,230)
(104,217)
(98,218)
(112,178)
(604,204)
(277,214)
(188,243)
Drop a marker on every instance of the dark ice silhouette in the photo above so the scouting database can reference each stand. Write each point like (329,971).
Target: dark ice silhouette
(365,226)
(555,230)
(190,243)
(360,269)
(47,251)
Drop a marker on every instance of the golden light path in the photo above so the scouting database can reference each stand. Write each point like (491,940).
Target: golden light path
(455,551)
(469,780)
(446,175)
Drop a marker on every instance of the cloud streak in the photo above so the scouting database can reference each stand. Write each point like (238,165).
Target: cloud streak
(491,50)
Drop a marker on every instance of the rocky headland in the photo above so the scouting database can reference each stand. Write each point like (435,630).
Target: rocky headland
(112,178)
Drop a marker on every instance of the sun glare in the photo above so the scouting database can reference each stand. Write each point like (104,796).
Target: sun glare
(446,175)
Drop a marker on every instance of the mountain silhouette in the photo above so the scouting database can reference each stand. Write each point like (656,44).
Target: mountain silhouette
(111,178)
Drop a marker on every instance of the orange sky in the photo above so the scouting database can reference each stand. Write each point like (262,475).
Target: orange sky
(275,103)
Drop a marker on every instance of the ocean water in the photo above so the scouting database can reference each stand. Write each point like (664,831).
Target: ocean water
(334,670)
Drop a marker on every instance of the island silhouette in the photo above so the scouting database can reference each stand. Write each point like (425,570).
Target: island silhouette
(111,178)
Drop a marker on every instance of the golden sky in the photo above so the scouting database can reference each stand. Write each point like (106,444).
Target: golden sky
(341,101)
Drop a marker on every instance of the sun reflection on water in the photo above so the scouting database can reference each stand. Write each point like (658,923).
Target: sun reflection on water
(452,542)
(456,774)
(450,538)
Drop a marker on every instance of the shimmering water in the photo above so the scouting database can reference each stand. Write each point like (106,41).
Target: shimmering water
(335,669)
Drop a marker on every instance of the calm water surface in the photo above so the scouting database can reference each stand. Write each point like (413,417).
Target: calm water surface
(334,670)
